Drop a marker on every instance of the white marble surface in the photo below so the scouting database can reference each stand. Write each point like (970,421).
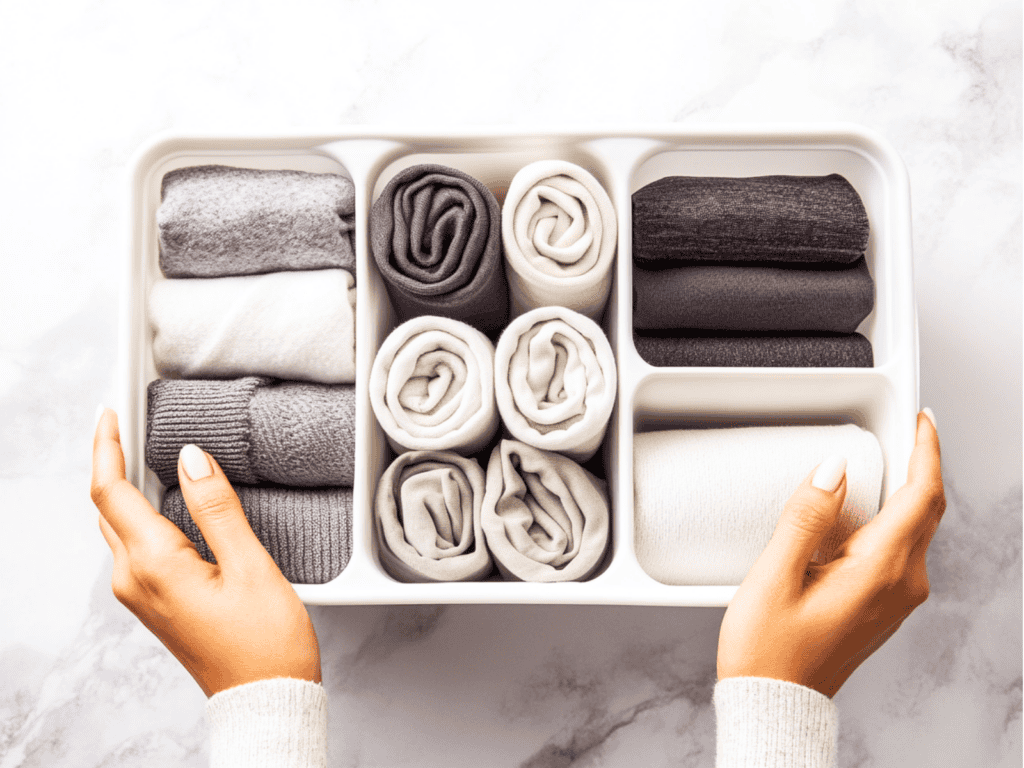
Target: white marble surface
(82,84)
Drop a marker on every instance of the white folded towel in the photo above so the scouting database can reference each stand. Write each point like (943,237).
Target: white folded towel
(432,386)
(706,501)
(292,325)
(559,231)
(554,379)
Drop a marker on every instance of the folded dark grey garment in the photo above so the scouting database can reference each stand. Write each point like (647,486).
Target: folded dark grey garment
(750,350)
(308,531)
(258,429)
(762,218)
(435,234)
(755,297)
(216,221)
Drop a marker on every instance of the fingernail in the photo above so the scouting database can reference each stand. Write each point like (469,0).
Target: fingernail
(99,414)
(931,417)
(830,473)
(194,462)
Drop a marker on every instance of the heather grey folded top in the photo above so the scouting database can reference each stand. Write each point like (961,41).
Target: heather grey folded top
(435,234)
(762,218)
(308,531)
(756,351)
(258,429)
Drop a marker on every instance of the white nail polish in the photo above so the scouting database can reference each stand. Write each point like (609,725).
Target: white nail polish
(830,473)
(194,462)
(931,417)
(99,412)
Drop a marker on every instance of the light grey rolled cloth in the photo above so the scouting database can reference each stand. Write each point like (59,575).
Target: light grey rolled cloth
(308,531)
(258,429)
(706,501)
(216,221)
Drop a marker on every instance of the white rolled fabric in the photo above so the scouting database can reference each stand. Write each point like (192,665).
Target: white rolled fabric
(555,380)
(291,325)
(559,231)
(432,386)
(706,501)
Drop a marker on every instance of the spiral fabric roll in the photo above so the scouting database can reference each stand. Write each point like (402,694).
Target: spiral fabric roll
(435,235)
(545,517)
(706,501)
(307,531)
(290,325)
(559,231)
(755,351)
(555,381)
(432,386)
(427,518)
(216,221)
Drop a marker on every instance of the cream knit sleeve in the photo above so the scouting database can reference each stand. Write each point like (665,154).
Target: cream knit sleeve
(763,723)
(279,723)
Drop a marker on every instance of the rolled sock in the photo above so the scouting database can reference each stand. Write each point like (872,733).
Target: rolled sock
(435,235)
(545,517)
(754,350)
(555,381)
(753,297)
(762,218)
(307,531)
(427,518)
(290,325)
(216,221)
(559,231)
(432,386)
(706,501)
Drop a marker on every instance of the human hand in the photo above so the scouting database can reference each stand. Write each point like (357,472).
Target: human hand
(231,623)
(815,623)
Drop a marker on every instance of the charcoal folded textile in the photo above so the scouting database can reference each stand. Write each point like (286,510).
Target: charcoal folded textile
(555,381)
(706,501)
(435,235)
(432,386)
(763,218)
(754,350)
(427,518)
(307,531)
(290,325)
(559,231)
(545,517)
(218,221)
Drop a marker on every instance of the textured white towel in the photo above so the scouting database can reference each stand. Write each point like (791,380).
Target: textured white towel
(432,386)
(559,231)
(554,379)
(292,325)
(706,501)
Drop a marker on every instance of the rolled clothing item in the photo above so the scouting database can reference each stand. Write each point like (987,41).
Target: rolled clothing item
(258,429)
(290,325)
(754,350)
(432,386)
(555,380)
(435,235)
(307,531)
(545,517)
(427,518)
(217,221)
(753,297)
(762,218)
(559,231)
(706,501)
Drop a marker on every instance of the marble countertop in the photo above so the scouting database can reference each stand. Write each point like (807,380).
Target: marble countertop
(84,84)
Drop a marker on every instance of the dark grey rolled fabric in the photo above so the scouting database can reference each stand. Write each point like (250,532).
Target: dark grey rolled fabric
(752,297)
(435,234)
(216,221)
(258,429)
(757,351)
(763,218)
(308,531)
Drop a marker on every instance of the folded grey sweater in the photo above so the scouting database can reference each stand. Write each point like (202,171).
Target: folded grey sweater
(755,350)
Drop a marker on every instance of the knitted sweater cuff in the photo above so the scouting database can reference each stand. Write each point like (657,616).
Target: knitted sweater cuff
(280,723)
(764,723)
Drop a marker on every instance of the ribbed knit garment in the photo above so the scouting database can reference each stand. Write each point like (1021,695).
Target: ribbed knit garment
(435,235)
(682,348)
(307,531)
(216,221)
(258,429)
